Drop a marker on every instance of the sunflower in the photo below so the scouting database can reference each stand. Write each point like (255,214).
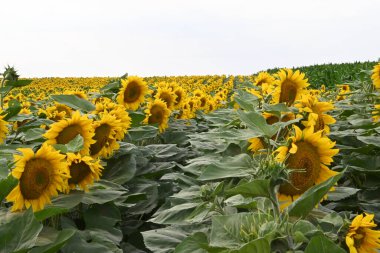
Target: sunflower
(84,170)
(307,158)
(256,144)
(63,131)
(290,86)
(3,129)
(40,176)
(376,76)
(361,238)
(375,113)
(180,97)
(263,77)
(166,95)
(105,136)
(317,116)
(157,113)
(132,92)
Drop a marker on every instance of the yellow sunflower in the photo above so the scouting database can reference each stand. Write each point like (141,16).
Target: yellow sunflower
(41,175)
(290,86)
(307,157)
(3,129)
(375,113)
(132,92)
(166,95)
(84,170)
(157,113)
(317,116)
(361,238)
(63,131)
(105,136)
(263,77)
(256,144)
(376,76)
(180,97)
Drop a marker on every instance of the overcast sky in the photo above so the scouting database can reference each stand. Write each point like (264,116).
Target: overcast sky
(173,37)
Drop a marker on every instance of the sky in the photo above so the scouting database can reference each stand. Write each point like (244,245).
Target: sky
(62,38)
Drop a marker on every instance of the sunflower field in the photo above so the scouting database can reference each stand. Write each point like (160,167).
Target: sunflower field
(286,160)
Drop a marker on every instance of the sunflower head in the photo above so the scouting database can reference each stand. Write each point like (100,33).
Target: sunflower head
(157,113)
(84,170)
(63,131)
(376,76)
(3,129)
(307,159)
(167,95)
(41,175)
(180,97)
(132,92)
(105,131)
(290,86)
(263,77)
(361,237)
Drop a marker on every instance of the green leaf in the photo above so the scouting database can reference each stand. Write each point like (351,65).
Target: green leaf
(142,132)
(74,102)
(20,233)
(136,118)
(309,199)
(321,244)
(372,140)
(6,186)
(114,86)
(14,107)
(235,166)
(63,236)
(255,188)
(75,145)
(196,243)
(341,193)
(34,134)
(259,245)
(246,100)
(18,83)
(163,240)
(175,215)
(257,122)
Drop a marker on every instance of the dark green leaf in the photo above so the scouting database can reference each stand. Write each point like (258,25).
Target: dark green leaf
(74,102)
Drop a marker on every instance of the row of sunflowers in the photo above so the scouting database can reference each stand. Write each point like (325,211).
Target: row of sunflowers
(257,163)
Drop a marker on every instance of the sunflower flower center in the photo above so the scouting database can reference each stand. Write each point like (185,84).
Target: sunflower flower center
(320,124)
(68,133)
(157,115)
(78,172)
(305,166)
(203,101)
(288,92)
(166,98)
(178,99)
(101,137)
(272,119)
(35,178)
(132,92)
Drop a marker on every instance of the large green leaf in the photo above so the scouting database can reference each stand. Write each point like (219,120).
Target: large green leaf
(61,239)
(237,166)
(20,233)
(74,102)
(196,243)
(321,244)
(163,240)
(255,188)
(259,245)
(309,199)
(257,122)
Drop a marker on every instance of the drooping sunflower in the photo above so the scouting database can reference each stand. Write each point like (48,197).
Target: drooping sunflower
(63,131)
(84,170)
(290,86)
(264,77)
(3,129)
(307,158)
(376,76)
(317,113)
(157,113)
(167,95)
(132,92)
(41,175)
(361,238)
(105,136)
